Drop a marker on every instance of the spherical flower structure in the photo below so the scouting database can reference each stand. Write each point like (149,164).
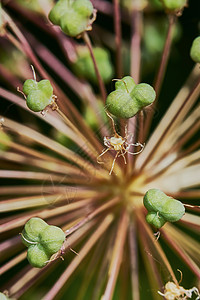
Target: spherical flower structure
(53,174)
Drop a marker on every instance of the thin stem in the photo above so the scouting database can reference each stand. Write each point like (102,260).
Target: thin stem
(136,32)
(79,134)
(99,78)
(160,251)
(118,41)
(153,147)
(77,260)
(91,216)
(116,256)
(134,261)
(161,71)
(193,267)
(136,27)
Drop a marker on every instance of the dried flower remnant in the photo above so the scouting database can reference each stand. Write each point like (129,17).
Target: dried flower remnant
(176,292)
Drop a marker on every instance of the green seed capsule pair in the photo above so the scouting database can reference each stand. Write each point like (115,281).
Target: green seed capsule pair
(84,66)
(174,5)
(74,17)
(42,240)
(195,50)
(162,208)
(39,94)
(129,98)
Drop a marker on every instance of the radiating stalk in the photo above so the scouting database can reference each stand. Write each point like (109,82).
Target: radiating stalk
(116,256)
(99,78)
(134,261)
(77,260)
(118,42)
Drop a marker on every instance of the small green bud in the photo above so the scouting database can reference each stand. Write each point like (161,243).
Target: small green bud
(74,17)
(172,210)
(32,229)
(84,66)
(174,5)
(162,208)
(144,93)
(195,50)
(39,94)
(29,85)
(154,219)
(42,241)
(46,87)
(37,256)
(129,98)
(52,239)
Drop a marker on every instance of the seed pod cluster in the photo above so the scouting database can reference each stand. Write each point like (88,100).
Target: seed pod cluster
(39,94)
(195,50)
(84,66)
(74,17)
(42,240)
(129,98)
(162,208)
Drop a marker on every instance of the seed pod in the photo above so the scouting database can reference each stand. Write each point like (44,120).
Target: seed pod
(39,94)
(174,5)
(172,210)
(72,17)
(32,229)
(144,93)
(162,208)
(29,85)
(46,87)
(129,98)
(52,239)
(195,50)
(155,219)
(42,241)
(37,256)
(84,66)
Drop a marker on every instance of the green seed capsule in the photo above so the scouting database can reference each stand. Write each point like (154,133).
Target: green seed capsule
(129,98)
(39,94)
(32,229)
(160,205)
(144,93)
(72,17)
(174,5)
(29,85)
(195,50)
(42,241)
(52,239)
(84,66)
(37,256)
(46,87)
(173,210)
(154,219)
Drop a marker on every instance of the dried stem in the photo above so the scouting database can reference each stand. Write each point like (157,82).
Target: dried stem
(77,260)
(134,261)
(118,42)
(161,72)
(116,256)
(99,78)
